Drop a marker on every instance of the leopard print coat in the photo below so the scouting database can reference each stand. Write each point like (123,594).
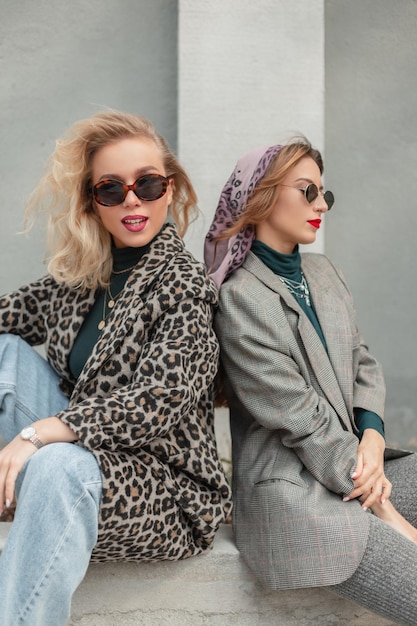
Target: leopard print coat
(143,402)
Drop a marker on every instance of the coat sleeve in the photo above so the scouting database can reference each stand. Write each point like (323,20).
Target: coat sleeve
(22,312)
(175,365)
(265,368)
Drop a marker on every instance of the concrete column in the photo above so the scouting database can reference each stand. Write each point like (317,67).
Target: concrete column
(249,73)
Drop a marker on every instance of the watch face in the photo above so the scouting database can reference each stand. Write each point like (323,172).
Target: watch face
(27,432)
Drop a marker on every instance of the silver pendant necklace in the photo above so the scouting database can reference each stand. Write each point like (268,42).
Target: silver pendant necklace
(300,290)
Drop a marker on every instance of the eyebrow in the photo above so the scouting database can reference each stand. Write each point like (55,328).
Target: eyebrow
(307,180)
(139,172)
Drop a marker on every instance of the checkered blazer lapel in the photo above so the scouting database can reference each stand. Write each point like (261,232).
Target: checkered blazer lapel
(336,368)
(330,368)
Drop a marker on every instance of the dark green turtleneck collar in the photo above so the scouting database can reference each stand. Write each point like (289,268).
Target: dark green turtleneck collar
(123,258)
(287,265)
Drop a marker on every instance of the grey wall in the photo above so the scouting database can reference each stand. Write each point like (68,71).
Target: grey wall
(62,61)
(371,164)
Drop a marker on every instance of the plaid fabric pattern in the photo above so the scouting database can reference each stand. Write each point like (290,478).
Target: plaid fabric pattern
(291,406)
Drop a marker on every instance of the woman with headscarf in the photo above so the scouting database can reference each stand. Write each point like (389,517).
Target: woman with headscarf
(318,499)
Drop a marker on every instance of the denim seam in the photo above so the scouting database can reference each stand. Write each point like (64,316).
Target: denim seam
(49,566)
(22,407)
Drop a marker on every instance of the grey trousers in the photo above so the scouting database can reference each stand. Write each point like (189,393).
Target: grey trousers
(386,580)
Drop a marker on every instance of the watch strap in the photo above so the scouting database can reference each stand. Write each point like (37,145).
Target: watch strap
(36,441)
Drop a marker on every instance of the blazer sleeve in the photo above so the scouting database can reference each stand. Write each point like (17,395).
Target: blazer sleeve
(175,365)
(267,371)
(368,384)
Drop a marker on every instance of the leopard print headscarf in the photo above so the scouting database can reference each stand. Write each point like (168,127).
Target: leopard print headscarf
(225,256)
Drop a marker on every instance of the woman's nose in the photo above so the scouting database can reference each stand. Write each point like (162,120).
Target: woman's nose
(321,204)
(131,199)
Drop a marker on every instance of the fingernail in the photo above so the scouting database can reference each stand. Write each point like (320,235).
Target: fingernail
(365,508)
(354,475)
(383,501)
(7,504)
(346,499)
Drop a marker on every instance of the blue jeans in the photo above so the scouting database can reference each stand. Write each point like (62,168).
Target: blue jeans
(58,495)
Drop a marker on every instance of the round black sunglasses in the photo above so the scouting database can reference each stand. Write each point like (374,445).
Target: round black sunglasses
(311,193)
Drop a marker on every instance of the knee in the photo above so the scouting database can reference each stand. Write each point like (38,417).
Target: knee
(8,344)
(9,339)
(11,349)
(63,466)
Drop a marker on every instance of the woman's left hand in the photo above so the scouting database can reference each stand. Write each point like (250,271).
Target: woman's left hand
(370,482)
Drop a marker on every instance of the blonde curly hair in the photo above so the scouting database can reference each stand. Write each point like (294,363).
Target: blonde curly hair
(79,247)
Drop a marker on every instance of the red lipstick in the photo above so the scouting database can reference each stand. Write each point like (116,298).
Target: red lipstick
(316,223)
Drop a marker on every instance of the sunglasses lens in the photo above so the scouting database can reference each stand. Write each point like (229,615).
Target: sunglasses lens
(311,192)
(151,187)
(112,192)
(329,199)
(109,193)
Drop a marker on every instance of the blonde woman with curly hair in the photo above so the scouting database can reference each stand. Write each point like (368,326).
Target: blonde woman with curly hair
(111,452)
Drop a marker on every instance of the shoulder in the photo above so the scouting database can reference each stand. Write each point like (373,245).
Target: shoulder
(181,274)
(253,281)
(319,261)
(250,296)
(248,276)
(39,289)
(316,260)
(313,263)
(241,284)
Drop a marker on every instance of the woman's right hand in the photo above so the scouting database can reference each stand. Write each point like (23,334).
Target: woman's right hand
(373,489)
(18,451)
(12,458)
(371,486)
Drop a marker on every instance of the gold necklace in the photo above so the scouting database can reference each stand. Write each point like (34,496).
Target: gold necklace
(112,299)
(110,304)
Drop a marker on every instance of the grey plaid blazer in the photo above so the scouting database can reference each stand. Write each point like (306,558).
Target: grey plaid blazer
(291,409)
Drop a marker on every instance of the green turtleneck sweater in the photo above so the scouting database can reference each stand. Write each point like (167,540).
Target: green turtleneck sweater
(289,266)
(124,260)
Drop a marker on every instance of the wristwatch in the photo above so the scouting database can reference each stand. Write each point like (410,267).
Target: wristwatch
(29,434)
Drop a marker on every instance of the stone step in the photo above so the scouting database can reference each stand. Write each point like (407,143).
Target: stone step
(216,589)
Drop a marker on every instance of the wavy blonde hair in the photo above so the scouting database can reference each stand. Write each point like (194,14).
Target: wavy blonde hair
(263,198)
(78,245)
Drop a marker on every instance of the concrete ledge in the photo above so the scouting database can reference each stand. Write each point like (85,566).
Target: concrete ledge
(216,589)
